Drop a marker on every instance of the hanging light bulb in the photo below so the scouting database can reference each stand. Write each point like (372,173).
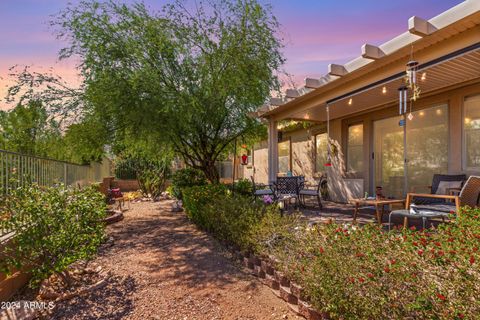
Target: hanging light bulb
(350,101)
(384,90)
(424,76)
(410,116)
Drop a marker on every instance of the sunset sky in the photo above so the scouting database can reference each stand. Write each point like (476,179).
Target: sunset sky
(316,32)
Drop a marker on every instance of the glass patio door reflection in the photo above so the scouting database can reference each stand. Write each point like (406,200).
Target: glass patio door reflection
(427,151)
(388,158)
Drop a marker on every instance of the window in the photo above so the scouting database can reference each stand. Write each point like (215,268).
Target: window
(355,148)
(321,151)
(284,156)
(472,132)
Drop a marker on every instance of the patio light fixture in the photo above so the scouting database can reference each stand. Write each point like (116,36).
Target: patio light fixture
(350,101)
(384,90)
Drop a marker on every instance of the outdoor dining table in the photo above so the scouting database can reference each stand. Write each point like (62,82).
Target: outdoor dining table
(378,203)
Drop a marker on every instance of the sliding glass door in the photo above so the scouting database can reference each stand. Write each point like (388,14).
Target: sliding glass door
(427,150)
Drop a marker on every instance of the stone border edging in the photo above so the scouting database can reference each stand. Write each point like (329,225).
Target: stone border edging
(289,291)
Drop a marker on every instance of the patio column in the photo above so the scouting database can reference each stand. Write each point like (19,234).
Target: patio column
(272,151)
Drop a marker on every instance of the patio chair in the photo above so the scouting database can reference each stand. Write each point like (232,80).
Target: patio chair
(286,188)
(440,185)
(469,196)
(305,192)
(260,190)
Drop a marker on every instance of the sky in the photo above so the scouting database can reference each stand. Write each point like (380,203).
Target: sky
(316,32)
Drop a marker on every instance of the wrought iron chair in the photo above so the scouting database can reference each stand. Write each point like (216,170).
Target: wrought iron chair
(305,192)
(260,190)
(286,188)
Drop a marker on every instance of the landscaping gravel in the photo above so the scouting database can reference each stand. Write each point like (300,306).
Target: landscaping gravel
(163,267)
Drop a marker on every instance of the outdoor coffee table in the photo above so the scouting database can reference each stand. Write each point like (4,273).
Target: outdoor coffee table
(377,203)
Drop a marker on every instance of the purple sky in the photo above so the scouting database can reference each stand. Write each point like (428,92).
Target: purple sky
(316,32)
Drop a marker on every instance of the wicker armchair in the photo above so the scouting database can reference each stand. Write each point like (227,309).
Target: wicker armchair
(469,196)
(437,178)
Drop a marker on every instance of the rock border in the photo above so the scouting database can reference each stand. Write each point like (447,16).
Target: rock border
(281,286)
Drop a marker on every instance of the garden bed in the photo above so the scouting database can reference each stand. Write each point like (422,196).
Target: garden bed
(352,272)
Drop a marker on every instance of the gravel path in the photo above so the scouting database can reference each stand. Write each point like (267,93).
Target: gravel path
(165,268)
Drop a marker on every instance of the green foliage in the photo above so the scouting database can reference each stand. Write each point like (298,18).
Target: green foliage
(189,79)
(244,187)
(125,168)
(28,129)
(355,272)
(184,178)
(53,228)
(151,172)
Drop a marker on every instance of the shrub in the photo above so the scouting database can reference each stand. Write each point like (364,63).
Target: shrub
(366,273)
(244,187)
(356,272)
(53,227)
(185,178)
(151,172)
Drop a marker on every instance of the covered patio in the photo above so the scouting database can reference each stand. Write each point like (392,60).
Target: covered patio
(355,107)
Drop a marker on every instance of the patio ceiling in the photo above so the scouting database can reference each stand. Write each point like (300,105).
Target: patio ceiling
(450,72)
(447,47)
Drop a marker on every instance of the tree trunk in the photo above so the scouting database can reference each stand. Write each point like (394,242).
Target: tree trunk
(211,172)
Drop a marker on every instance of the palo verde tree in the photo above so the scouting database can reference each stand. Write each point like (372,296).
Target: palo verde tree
(191,73)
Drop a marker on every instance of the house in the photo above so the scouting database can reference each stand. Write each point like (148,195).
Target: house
(352,125)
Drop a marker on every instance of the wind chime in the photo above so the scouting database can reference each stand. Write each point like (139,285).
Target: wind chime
(410,83)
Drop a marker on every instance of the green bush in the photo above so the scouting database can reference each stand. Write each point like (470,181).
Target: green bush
(185,178)
(150,172)
(244,187)
(356,272)
(53,227)
(367,273)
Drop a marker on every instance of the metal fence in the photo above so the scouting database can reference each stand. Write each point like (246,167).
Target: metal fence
(18,169)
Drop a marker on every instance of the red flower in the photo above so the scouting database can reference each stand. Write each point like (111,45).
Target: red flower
(321,250)
(351,279)
(393,261)
(386,269)
(438,244)
(452,211)
(472,259)
(420,252)
(415,243)
(441,297)
(361,279)
(370,275)
(359,255)
(441,253)
(413,228)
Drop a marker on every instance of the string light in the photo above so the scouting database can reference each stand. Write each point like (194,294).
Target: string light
(350,102)
(384,90)
(424,76)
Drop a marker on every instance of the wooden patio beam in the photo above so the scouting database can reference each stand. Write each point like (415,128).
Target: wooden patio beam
(337,70)
(372,52)
(420,27)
